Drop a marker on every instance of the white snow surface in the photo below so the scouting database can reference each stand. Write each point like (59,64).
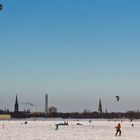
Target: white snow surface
(45,130)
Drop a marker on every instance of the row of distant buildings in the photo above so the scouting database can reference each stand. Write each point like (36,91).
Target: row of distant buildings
(6,114)
(26,113)
(18,113)
(16,108)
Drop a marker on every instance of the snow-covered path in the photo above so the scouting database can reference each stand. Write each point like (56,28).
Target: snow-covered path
(45,130)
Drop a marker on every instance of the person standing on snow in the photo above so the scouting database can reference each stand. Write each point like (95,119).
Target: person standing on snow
(118,129)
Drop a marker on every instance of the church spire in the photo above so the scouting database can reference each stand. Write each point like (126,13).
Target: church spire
(100,106)
(16,105)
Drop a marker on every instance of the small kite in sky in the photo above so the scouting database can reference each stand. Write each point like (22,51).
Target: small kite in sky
(1,7)
(118,98)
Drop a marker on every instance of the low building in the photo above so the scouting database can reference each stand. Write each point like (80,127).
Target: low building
(5,116)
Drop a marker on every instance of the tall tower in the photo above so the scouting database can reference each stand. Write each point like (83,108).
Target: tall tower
(46,104)
(100,107)
(16,105)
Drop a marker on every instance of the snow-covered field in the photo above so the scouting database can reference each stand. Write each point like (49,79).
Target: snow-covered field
(45,130)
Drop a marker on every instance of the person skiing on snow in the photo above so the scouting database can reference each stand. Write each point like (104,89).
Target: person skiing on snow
(118,129)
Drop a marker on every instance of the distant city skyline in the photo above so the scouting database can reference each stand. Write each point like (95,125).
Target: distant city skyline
(76,51)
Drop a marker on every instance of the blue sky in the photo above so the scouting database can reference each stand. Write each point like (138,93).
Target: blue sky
(75,50)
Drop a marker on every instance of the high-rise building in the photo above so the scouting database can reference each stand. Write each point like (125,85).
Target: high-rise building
(100,107)
(16,105)
(46,104)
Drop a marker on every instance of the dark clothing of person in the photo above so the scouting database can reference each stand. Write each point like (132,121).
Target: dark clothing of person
(118,131)
(56,126)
